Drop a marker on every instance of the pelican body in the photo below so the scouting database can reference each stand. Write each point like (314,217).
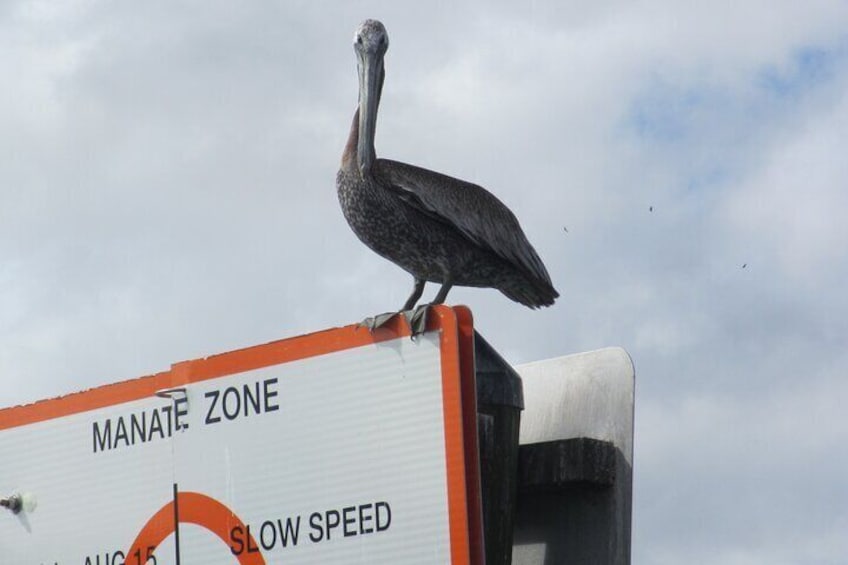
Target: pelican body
(435,227)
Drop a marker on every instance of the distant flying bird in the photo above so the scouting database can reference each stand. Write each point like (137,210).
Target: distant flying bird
(744,265)
(435,227)
(650,208)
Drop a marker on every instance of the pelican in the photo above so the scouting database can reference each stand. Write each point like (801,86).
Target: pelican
(435,227)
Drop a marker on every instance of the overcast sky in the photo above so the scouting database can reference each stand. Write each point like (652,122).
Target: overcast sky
(167,192)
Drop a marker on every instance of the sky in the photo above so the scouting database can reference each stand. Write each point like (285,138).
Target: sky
(167,191)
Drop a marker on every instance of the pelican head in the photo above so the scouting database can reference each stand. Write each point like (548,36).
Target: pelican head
(370,43)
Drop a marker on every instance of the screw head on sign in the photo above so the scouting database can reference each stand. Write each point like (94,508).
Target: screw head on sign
(20,501)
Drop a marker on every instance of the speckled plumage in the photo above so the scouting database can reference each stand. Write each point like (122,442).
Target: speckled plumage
(437,228)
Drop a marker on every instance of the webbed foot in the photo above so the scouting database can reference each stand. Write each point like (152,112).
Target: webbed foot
(417,320)
(377,321)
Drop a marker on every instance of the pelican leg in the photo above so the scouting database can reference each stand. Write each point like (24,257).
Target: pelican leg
(417,319)
(417,290)
(380,320)
(443,292)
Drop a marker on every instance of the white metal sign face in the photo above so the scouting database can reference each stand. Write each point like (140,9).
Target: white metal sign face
(270,455)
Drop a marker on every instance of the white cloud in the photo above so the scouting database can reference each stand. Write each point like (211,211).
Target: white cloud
(794,207)
(166,179)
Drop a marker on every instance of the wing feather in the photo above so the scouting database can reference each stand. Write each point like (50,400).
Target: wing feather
(470,208)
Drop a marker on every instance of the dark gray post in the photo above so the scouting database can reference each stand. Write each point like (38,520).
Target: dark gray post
(500,400)
(576,461)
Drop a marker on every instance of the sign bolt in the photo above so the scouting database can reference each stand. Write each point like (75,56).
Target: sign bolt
(20,501)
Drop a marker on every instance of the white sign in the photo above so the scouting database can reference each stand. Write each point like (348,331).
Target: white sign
(337,447)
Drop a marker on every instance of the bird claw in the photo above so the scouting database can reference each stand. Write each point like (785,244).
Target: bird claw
(416,319)
(377,321)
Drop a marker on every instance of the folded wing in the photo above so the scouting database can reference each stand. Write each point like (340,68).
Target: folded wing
(472,210)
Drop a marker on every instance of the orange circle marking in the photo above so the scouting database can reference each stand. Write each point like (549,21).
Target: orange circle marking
(195,508)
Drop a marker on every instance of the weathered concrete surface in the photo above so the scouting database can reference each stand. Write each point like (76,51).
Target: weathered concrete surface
(588,395)
(554,466)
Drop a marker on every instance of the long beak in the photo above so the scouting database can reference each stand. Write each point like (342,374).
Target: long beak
(370,84)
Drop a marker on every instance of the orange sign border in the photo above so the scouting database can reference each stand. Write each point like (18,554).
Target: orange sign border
(458,397)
